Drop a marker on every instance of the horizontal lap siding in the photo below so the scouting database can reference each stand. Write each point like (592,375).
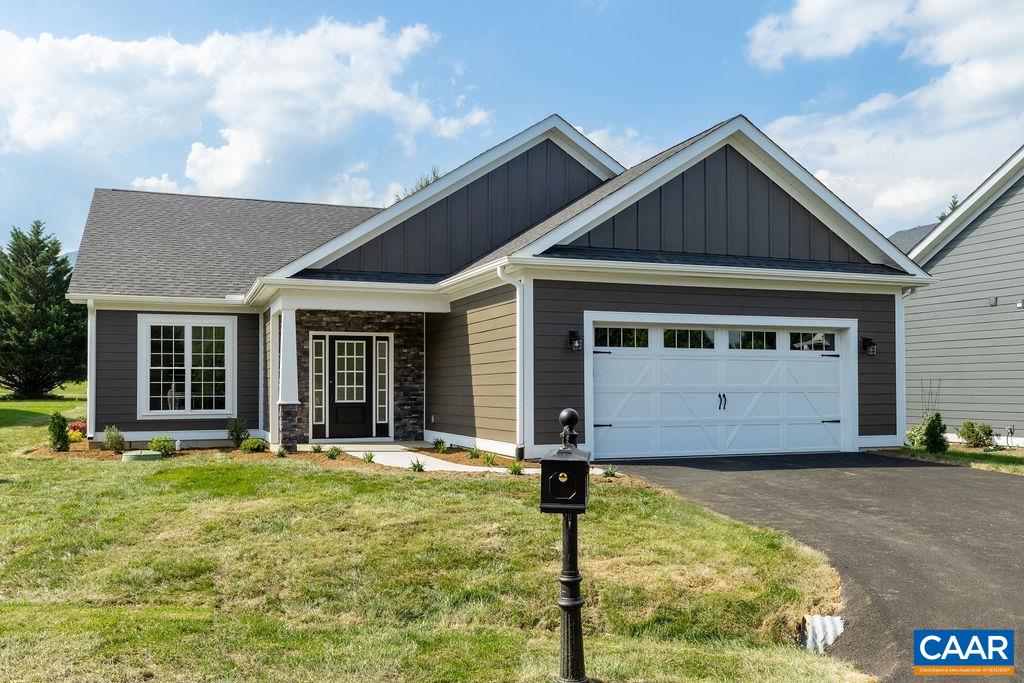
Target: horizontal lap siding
(559,307)
(116,377)
(963,355)
(471,367)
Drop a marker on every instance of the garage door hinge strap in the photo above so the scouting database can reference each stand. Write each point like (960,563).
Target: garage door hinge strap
(602,351)
(602,425)
(830,355)
(823,421)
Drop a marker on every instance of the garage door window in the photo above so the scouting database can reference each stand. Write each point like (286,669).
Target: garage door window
(621,337)
(757,340)
(812,341)
(689,339)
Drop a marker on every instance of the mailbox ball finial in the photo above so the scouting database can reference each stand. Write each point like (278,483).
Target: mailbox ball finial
(568,418)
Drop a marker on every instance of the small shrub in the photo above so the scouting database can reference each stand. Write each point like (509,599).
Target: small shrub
(253,445)
(474,453)
(368,456)
(976,435)
(59,440)
(515,468)
(237,431)
(318,448)
(113,439)
(611,471)
(78,426)
(440,446)
(490,460)
(416,465)
(164,445)
(915,436)
(333,452)
(281,452)
(75,436)
(934,440)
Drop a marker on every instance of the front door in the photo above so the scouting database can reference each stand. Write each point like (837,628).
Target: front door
(350,381)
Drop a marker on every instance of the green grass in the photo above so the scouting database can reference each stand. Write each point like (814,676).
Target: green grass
(1010,462)
(23,423)
(203,568)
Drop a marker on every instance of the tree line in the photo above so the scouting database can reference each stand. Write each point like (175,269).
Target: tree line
(42,334)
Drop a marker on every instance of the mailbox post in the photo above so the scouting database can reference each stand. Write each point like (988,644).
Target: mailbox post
(564,489)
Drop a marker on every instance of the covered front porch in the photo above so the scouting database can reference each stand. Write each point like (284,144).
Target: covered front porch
(337,376)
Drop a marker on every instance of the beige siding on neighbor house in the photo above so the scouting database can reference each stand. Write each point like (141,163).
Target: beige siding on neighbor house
(963,355)
(471,367)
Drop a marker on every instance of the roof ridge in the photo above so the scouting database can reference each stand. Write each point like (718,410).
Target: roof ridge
(243,199)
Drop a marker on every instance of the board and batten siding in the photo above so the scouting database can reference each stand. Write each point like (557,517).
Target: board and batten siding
(559,307)
(471,367)
(721,205)
(116,376)
(475,219)
(964,356)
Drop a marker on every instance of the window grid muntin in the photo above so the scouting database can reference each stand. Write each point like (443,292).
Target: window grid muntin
(382,380)
(319,376)
(208,371)
(167,368)
(687,338)
(812,341)
(753,340)
(349,371)
(621,337)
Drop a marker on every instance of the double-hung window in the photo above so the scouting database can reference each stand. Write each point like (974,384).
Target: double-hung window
(186,365)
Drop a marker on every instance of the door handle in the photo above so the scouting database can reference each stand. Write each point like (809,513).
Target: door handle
(719,400)
(725,403)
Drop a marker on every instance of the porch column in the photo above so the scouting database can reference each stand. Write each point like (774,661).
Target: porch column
(289,389)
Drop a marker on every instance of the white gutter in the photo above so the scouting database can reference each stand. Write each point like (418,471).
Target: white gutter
(520,356)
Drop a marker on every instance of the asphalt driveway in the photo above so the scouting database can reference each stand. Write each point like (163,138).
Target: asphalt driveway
(917,545)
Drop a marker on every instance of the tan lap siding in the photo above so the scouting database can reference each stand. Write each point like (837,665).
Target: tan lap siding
(471,367)
(559,307)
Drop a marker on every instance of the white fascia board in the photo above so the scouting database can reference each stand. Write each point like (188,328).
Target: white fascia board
(743,135)
(1008,173)
(356,300)
(559,268)
(162,303)
(553,127)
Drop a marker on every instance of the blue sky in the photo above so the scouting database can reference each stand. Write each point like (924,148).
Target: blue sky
(894,105)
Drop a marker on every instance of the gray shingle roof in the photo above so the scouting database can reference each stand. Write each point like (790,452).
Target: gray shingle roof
(156,244)
(644,256)
(594,196)
(905,240)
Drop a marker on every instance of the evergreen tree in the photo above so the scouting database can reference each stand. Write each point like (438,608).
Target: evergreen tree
(42,335)
(953,203)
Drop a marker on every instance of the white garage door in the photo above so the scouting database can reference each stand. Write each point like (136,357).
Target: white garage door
(701,390)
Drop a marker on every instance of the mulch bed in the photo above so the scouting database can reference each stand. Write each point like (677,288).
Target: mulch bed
(460,456)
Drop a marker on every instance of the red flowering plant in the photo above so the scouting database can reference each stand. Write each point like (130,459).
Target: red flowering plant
(77,426)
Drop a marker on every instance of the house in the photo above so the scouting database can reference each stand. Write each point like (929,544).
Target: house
(964,343)
(715,298)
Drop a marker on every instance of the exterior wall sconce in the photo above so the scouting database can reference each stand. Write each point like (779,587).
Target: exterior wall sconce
(575,341)
(869,346)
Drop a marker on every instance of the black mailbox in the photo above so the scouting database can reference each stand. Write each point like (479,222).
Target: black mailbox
(565,474)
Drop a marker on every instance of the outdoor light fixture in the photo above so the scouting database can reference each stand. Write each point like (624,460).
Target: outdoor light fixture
(869,346)
(575,341)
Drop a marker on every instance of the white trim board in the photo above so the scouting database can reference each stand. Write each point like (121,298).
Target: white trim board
(553,127)
(770,159)
(90,408)
(489,445)
(185,435)
(991,189)
(847,344)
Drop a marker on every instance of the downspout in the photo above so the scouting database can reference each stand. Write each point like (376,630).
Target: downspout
(520,361)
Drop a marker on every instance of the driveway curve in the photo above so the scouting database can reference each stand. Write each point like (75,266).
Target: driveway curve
(918,545)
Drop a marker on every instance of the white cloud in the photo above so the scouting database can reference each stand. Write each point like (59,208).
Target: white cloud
(452,127)
(161,183)
(897,157)
(351,190)
(627,149)
(271,94)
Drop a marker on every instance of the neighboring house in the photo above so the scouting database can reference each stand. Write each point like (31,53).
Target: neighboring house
(964,342)
(713,299)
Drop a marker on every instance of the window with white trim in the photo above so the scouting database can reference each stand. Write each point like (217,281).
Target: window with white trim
(319,374)
(382,381)
(349,371)
(812,341)
(621,337)
(185,365)
(757,340)
(689,339)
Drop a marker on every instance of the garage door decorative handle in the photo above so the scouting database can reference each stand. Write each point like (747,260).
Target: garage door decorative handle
(603,425)
(830,421)
(719,400)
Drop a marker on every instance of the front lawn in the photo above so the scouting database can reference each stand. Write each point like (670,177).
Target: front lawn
(1010,461)
(206,568)
(23,423)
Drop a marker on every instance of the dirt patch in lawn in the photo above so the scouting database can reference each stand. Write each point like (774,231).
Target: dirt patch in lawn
(460,456)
